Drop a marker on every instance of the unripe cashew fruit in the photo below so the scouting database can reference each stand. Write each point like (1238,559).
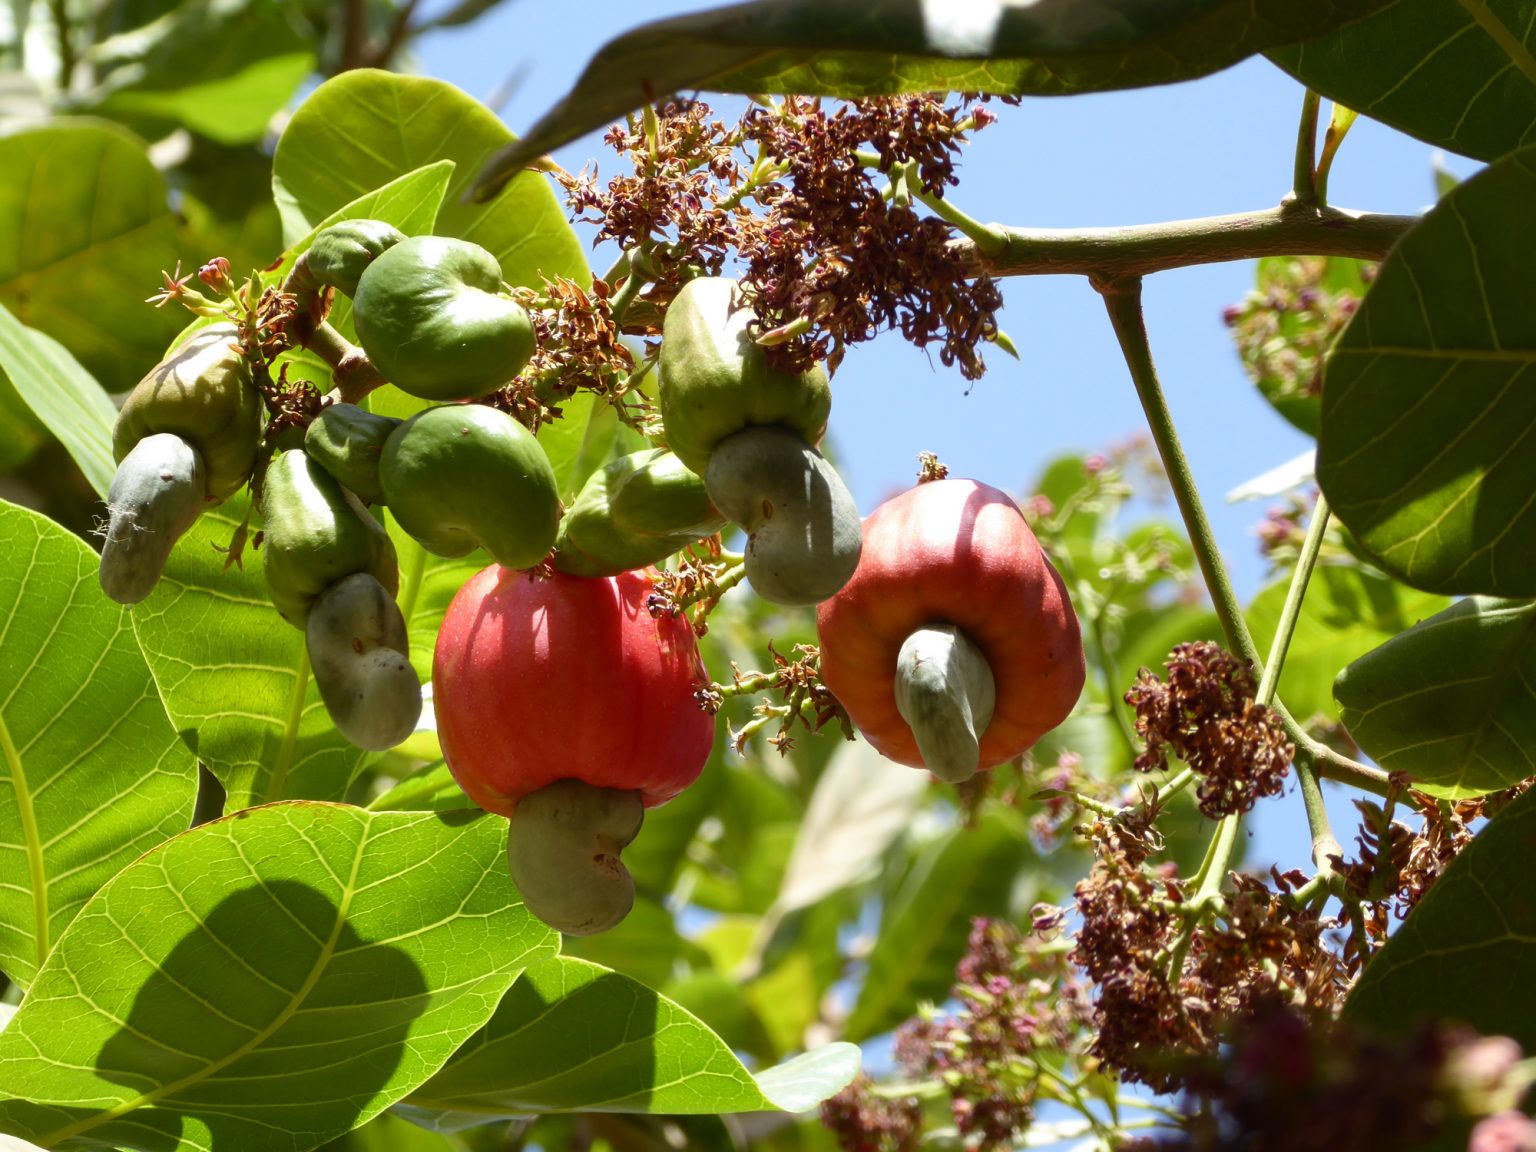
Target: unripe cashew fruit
(715,380)
(347,442)
(429,314)
(203,393)
(358,651)
(156,494)
(634,512)
(464,476)
(952,554)
(802,526)
(564,854)
(315,533)
(342,253)
(544,678)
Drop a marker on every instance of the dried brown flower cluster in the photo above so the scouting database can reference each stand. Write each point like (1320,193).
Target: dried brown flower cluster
(830,256)
(837,252)
(576,346)
(1395,866)
(1169,974)
(677,210)
(1205,714)
(864,1122)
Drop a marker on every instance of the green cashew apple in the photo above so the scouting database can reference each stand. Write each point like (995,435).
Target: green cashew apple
(463,476)
(185,439)
(156,494)
(203,393)
(347,442)
(715,380)
(430,314)
(803,536)
(342,253)
(358,651)
(633,513)
(316,533)
(563,853)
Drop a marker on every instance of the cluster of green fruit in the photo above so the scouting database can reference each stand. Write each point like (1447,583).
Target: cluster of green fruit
(562,702)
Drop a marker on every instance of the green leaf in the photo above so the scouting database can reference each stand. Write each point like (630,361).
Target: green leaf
(364,128)
(270,980)
(862,48)
(80,259)
(1347,612)
(234,675)
(645,947)
(388,1133)
(91,772)
(1428,404)
(21,433)
(1458,75)
(62,395)
(222,70)
(1452,701)
(862,802)
(965,873)
(1468,950)
(575,1037)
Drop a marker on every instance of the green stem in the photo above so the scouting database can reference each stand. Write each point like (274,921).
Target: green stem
(1338,127)
(989,238)
(1304,179)
(59,10)
(1292,229)
(352,372)
(1122,297)
(625,296)
(1324,843)
(1291,611)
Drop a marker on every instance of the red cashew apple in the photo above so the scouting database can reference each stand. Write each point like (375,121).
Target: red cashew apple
(954,646)
(564,705)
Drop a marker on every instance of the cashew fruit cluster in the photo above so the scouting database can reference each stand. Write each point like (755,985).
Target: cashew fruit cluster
(185,440)
(563,704)
(954,646)
(751,432)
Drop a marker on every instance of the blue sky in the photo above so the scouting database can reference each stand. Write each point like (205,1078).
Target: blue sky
(1217,145)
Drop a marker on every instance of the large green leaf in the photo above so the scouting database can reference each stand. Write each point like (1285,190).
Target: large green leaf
(1468,950)
(1452,701)
(573,1036)
(85,231)
(1347,612)
(1460,75)
(221,69)
(234,675)
(968,872)
(62,395)
(267,981)
(91,772)
(1429,398)
(364,128)
(876,47)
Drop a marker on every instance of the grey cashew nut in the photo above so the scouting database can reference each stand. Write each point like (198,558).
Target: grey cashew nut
(156,494)
(803,531)
(358,651)
(946,694)
(564,854)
